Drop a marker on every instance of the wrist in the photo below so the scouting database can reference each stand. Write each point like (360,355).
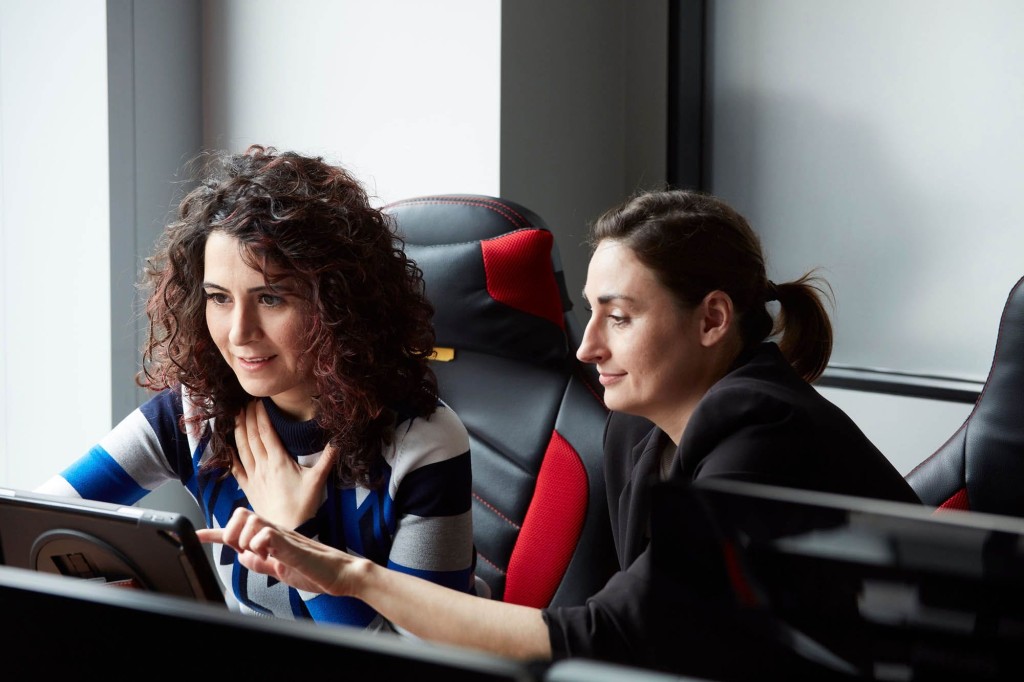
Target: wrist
(362,577)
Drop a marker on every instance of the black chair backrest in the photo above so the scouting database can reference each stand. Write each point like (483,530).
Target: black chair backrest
(981,466)
(506,363)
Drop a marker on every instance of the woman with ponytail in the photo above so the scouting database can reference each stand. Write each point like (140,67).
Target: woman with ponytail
(682,334)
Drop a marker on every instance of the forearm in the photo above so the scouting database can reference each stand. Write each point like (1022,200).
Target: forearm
(443,615)
(425,609)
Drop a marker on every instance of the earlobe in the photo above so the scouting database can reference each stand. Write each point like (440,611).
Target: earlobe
(716,317)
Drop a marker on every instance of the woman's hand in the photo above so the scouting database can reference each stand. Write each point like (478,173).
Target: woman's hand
(277,487)
(285,554)
(425,609)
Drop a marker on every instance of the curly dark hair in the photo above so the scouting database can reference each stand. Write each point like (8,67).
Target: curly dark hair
(369,331)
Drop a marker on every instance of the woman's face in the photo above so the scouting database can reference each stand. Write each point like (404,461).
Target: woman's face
(258,330)
(646,347)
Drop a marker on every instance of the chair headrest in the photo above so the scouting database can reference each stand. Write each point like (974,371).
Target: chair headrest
(492,272)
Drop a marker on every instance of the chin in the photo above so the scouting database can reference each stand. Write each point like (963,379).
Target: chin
(256,391)
(618,405)
(626,407)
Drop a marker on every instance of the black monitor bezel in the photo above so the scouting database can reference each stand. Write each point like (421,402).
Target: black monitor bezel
(753,548)
(67,627)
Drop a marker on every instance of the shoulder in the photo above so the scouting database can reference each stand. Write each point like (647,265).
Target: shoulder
(165,408)
(433,438)
(761,406)
(764,381)
(763,420)
(759,413)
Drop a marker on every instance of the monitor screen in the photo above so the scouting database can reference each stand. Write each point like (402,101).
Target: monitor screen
(872,589)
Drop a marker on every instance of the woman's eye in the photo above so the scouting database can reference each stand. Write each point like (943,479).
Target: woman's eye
(618,320)
(270,300)
(216,297)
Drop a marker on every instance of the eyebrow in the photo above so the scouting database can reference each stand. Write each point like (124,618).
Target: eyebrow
(608,298)
(250,290)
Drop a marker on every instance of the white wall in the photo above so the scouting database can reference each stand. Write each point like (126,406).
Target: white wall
(883,142)
(54,235)
(403,93)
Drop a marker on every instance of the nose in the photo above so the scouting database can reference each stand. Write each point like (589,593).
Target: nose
(245,327)
(591,348)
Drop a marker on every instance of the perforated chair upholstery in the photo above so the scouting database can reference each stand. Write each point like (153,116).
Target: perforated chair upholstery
(981,466)
(534,415)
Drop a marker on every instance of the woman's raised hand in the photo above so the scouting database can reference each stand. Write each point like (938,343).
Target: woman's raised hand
(278,488)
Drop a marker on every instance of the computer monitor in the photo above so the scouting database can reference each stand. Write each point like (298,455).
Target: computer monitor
(864,588)
(106,544)
(56,628)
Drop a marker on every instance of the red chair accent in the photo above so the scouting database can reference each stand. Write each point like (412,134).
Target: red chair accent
(533,411)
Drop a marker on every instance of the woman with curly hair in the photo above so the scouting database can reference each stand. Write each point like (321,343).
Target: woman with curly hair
(288,347)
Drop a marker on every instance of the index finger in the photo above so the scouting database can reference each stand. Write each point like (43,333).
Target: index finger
(242,445)
(269,440)
(210,535)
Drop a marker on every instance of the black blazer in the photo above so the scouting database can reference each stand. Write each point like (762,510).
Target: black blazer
(761,422)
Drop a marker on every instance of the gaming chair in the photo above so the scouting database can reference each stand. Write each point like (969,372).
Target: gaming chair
(506,363)
(981,466)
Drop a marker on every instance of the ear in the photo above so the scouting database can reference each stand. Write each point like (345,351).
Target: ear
(716,318)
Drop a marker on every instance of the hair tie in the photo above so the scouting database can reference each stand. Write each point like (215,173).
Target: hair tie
(771,292)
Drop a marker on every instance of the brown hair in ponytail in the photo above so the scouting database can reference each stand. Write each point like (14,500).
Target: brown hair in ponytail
(695,243)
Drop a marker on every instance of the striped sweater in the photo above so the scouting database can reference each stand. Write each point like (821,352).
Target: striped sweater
(418,522)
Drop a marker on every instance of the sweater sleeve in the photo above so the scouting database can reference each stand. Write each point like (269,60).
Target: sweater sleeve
(431,486)
(138,455)
(424,525)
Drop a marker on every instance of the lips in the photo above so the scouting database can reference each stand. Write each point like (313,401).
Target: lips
(608,379)
(254,362)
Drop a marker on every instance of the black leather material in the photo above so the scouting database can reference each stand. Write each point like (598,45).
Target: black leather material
(985,456)
(517,386)
(478,322)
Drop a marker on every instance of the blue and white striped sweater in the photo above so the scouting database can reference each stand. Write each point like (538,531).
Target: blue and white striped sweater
(419,522)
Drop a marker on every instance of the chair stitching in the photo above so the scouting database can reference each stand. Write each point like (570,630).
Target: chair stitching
(490,563)
(508,213)
(496,512)
(473,241)
(503,205)
(460,199)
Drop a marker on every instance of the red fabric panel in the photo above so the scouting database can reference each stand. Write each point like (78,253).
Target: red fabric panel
(520,274)
(551,528)
(957,501)
(740,586)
